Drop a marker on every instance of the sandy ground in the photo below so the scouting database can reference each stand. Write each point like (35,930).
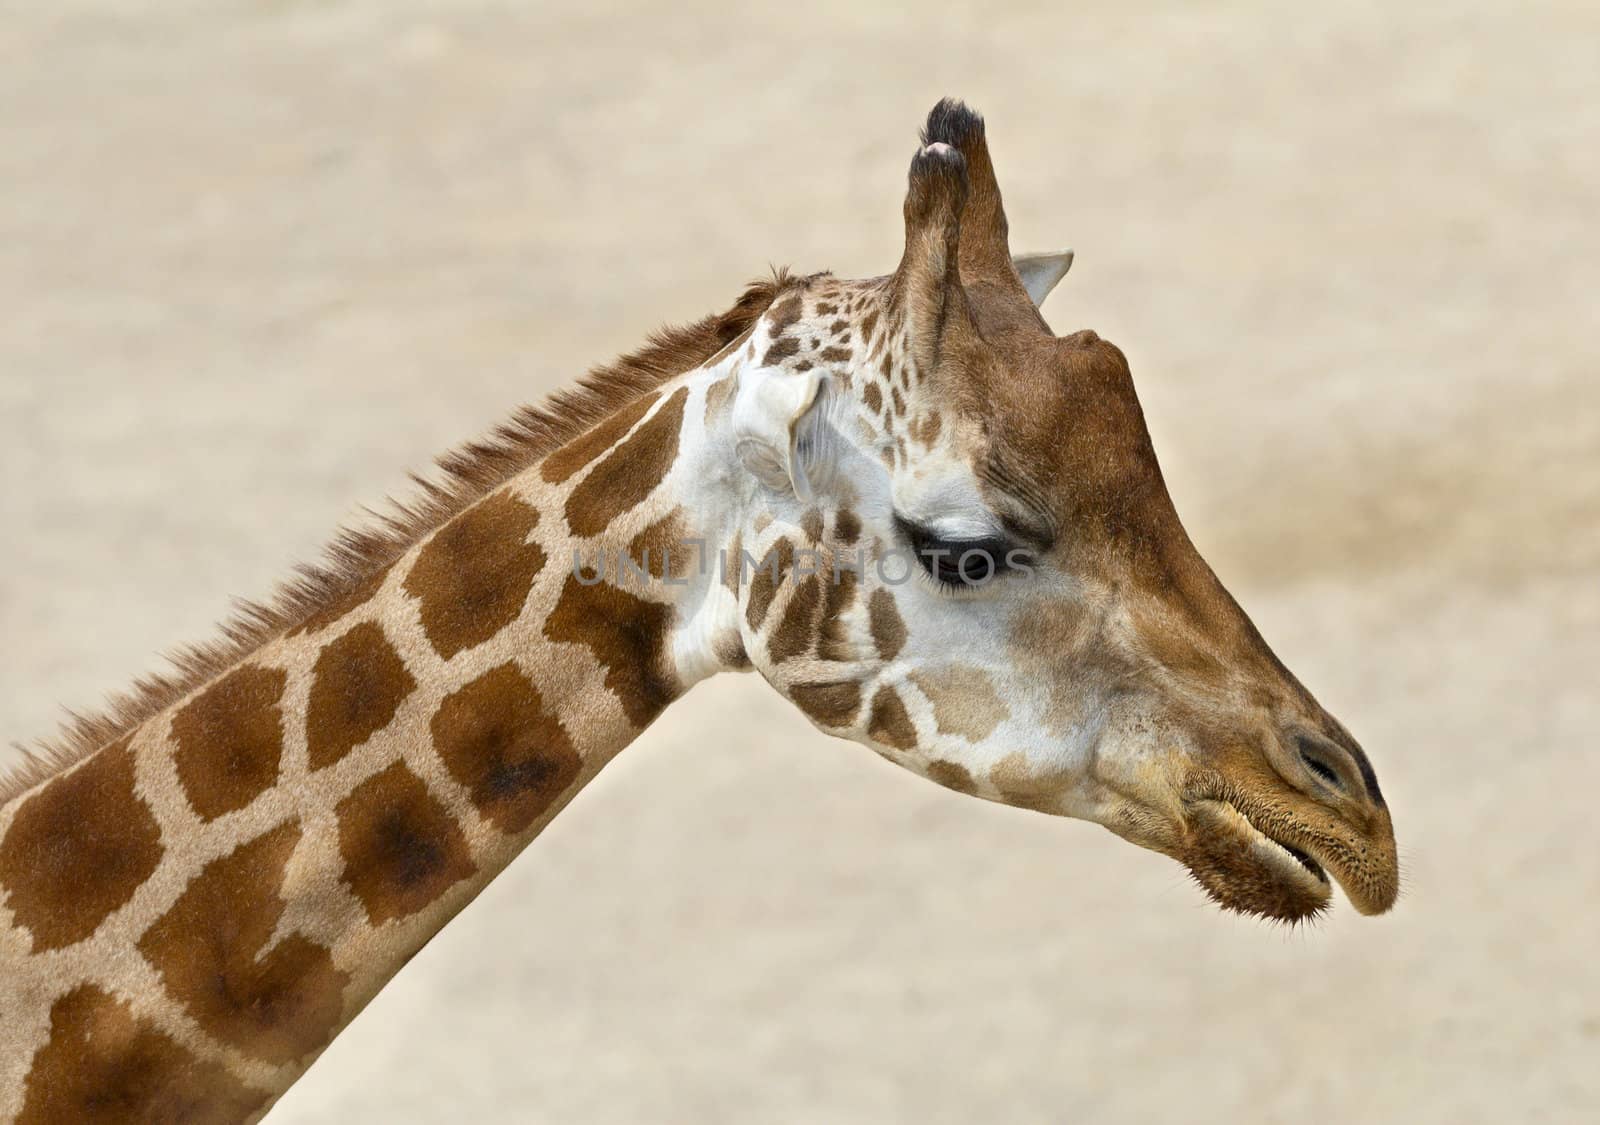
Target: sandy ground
(257,259)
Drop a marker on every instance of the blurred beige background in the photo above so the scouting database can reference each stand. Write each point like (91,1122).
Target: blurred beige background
(258,259)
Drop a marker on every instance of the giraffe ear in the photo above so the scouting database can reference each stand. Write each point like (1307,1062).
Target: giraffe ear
(1040,272)
(774,427)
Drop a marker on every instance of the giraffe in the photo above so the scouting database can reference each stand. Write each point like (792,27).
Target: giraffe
(937,528)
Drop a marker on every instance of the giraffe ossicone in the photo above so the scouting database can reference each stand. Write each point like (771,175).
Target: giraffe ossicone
(961,554)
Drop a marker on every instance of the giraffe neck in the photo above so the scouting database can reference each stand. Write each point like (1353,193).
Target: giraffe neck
(191,913)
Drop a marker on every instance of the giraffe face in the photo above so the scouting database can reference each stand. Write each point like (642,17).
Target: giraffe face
(959,550)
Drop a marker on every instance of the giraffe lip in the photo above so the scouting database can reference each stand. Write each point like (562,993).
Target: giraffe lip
(1298,855)
(1246,868)
(1301,858)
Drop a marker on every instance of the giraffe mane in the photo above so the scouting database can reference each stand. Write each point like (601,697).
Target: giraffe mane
(466,474)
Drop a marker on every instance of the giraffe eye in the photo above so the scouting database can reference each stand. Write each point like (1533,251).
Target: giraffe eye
(959,563)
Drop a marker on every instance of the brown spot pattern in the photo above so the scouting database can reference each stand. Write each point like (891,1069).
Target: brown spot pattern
(951,775)
(831,704)
(357,685)
(793,634)
(473,577)
(784,314)
(835,354)
(497,740)
(811,524)
(630,472)
(781,349)
(277,1005)
(401,848)
(718,394)
(1020,786)
(888,630)
(103,1065)
(964,700)
(662,545)
(873,397)
(888,722)
(627,635)
(729,561)
(230,740)
(763,584)
(847,527)
(833,639)
(77,850)
(567,460)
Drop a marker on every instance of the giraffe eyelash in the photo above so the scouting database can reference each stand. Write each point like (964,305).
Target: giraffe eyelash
(946,562)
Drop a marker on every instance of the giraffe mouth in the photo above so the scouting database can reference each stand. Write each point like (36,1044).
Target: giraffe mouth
(1302,859)
(1299,856)
(1247,866)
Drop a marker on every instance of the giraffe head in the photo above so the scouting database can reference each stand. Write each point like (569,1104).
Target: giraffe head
(959,550)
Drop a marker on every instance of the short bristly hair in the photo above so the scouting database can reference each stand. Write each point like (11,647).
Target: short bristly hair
(467,474)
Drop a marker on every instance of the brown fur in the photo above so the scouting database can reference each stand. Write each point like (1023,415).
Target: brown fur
(496,738)
(357,686)
(627,635)
(796,628)
(833,636)
(102,1064)
(831,704)
(630,472)
(77,850)
(401,847)
(1020,786)
(659,550)
(888,721)
(847,527)
(781,349)
(276,1004)
(951,775)
(770,573)
(718,395)
(728,560)
(964,699)
(358,554)
(888,630)
(473,578)
(570,458)
(240,714)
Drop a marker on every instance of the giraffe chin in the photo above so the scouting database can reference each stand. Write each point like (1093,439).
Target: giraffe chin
(1246,870)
